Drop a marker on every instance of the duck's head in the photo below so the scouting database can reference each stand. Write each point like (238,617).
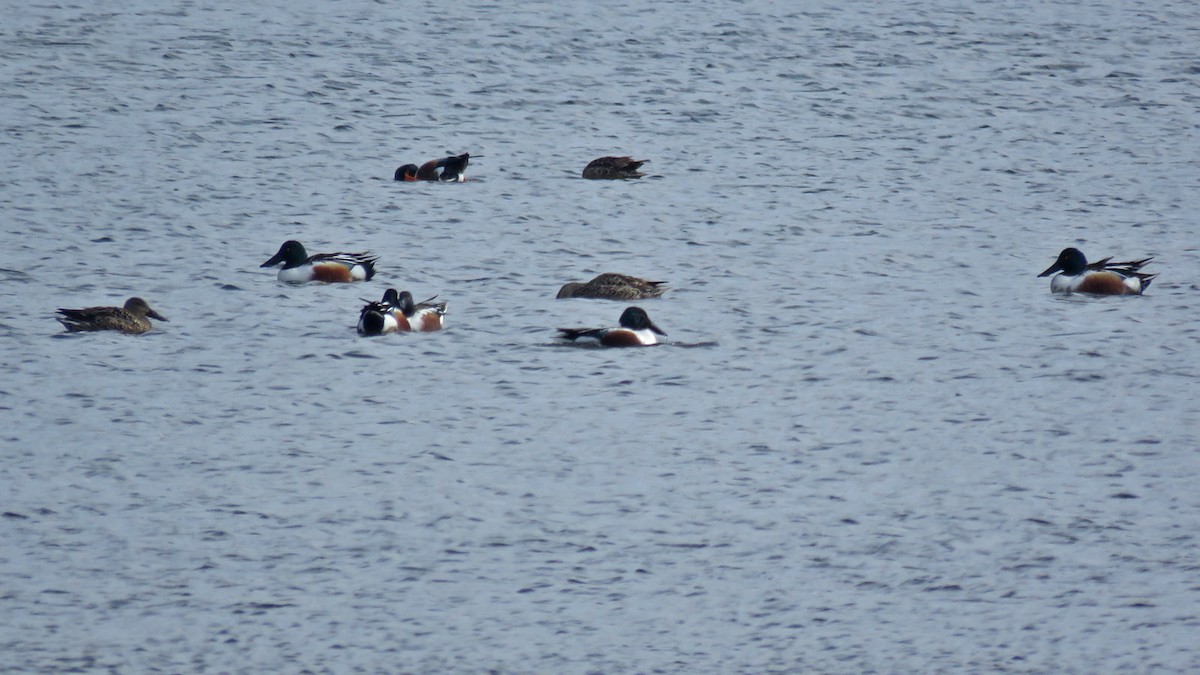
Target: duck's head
(140,307)
(291,253)
(635,318)
(1070,262)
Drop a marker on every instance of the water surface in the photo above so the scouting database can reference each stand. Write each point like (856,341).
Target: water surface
(874,442)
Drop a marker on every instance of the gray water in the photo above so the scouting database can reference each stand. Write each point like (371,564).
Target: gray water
(874,442)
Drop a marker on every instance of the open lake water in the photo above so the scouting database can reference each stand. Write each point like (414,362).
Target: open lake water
(874,442)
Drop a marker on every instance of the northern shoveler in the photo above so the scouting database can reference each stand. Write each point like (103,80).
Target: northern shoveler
(397,313)
(128,319)
(614,167)
(299,267)
(454,170)
(636,330)
(612,286)
(1102,277)
(377,318)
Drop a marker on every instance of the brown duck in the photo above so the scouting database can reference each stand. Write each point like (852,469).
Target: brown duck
(128,319)
(612,286)
(614,167)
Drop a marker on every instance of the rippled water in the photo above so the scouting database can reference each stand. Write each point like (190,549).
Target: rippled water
(874,442)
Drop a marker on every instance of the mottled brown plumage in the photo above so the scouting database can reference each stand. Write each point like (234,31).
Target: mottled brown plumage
(614,167)
(612,286)
(129,319)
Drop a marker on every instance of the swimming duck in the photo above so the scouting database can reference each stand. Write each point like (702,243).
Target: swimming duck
(1102,277)
(614,167)
(612,286)
(299,267)
(128,319)
(454,170)
(397,313)
(636,330)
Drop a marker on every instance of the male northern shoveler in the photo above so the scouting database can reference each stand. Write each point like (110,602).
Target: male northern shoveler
(378,318)
(423,317)
(636,330)
(614,167)
(1102,277)
(612,286)
(397,313)
(299,267)
(129,319)
(454,170)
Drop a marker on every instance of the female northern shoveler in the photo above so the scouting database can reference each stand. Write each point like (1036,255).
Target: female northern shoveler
(612,286)
(614,167)
(129,319)
(1101,278)
(454,169)
(397,313)
(636,330)
(299,267)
